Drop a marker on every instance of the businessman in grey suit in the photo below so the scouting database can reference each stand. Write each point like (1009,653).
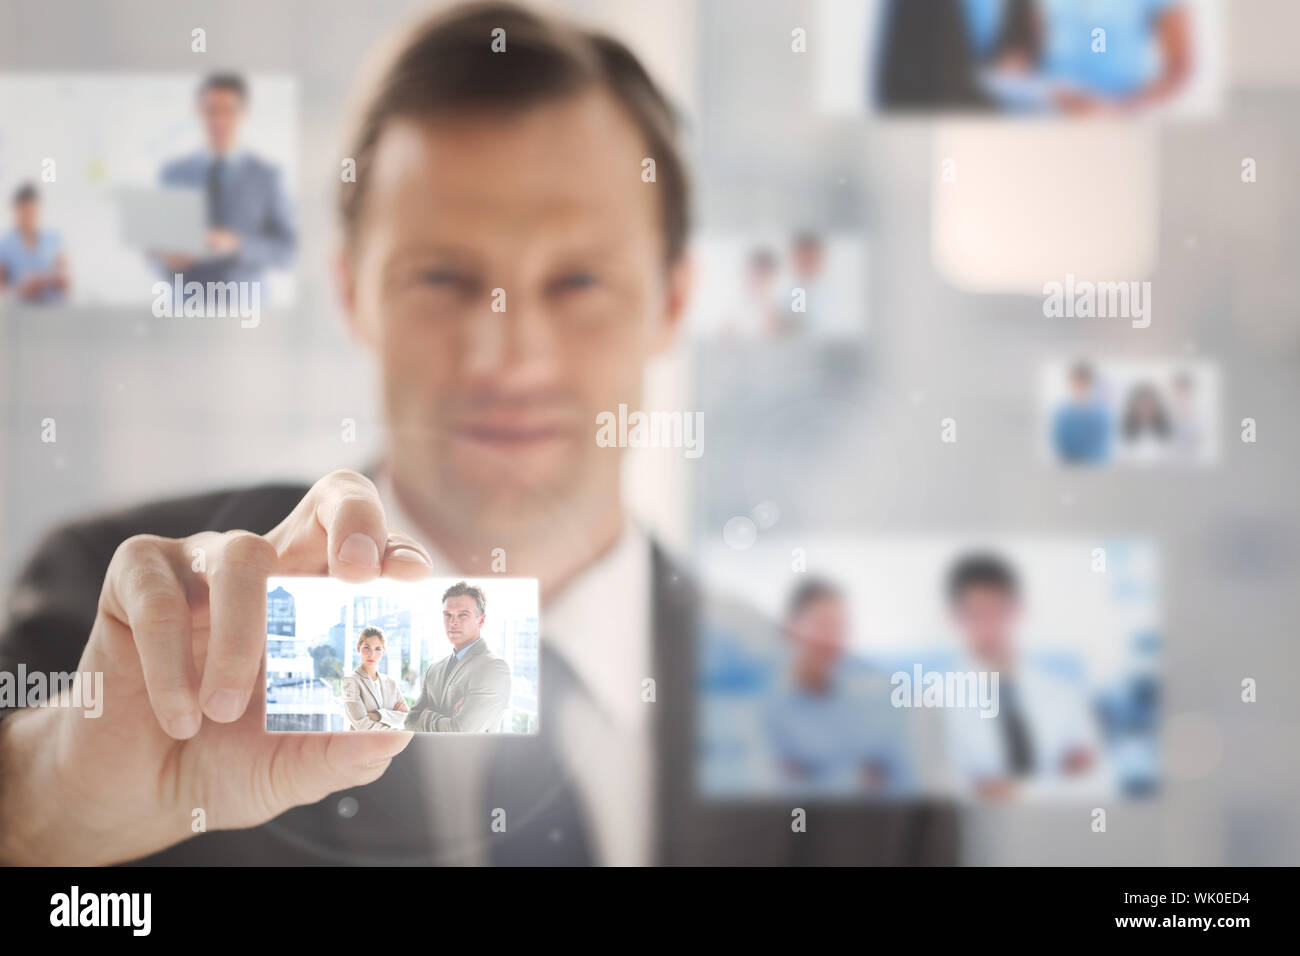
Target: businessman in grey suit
(469,690)
(490,451)
(250,219)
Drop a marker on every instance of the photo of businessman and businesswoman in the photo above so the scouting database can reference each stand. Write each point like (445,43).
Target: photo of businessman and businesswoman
(689,433)
(418,656)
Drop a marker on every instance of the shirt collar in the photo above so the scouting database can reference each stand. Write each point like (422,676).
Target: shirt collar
(231,157)
(466,649)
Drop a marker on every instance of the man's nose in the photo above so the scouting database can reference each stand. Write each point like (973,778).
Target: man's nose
(517,336)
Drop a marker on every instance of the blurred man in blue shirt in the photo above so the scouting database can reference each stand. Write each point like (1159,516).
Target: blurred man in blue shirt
(1081,428)
(32,263)
(250,219)
(1146,57)
(830,727)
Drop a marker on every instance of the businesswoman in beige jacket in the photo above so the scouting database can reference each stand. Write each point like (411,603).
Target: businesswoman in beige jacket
(372,700)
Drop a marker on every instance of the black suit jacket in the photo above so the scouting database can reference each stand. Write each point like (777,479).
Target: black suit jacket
(53,607)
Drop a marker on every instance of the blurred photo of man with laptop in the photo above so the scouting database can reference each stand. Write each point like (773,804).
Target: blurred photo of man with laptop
(250,222)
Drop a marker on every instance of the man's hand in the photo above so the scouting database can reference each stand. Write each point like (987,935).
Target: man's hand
(176,261)
(32,286)
(183,725)
(997,789)
(223,242)
(1078,759)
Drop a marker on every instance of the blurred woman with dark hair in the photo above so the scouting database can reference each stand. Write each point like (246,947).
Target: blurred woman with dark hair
(1145,428)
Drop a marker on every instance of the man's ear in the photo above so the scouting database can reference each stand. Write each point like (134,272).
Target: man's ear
(345,277)
(681,275)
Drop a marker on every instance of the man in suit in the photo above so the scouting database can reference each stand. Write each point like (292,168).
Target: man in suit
(469,690)
(250,218)
(491,451)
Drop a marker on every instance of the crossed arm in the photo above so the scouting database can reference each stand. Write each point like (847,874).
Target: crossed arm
(478,711)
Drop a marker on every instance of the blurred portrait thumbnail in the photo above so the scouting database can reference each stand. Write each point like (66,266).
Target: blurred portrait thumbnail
(1130,412)
(33,266)
(1006,670)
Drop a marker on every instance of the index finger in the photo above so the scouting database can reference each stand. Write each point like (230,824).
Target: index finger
(338,528)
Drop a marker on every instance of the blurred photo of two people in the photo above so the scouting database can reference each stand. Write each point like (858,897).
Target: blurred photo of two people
(244,226)
(1157,416)
(828,730)
(489,447)
(1035,56)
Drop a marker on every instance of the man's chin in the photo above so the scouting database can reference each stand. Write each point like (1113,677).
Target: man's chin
(509,496)
(543,463)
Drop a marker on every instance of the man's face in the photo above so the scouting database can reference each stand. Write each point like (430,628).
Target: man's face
(492,396)
(461,619)
(27,215)
(808,259)
(986,617)
(1081,387)
(222,115)
(821,629)
(762,275)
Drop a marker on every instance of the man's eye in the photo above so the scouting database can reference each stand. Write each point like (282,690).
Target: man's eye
(445,278)
(576,280)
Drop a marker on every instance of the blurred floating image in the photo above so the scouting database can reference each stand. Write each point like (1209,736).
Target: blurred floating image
(801,285)
(141,177)
(1131,413)
(1028,58)
(1011,670)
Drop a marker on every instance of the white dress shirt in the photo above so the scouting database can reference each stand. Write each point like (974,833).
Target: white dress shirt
(600,625)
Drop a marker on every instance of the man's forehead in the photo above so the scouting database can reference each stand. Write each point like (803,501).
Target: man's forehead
(565,150)
(459,602)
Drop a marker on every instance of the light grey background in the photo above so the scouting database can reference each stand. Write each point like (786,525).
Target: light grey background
(148,407)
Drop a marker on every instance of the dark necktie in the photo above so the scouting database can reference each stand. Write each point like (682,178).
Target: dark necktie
(1015,731)
(216,210)
(527,777)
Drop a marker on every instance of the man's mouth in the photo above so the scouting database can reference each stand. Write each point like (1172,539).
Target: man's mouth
(511,435)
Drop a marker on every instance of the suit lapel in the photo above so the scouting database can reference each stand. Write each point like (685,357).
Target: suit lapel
(365,684)
(689,830)
(454,665)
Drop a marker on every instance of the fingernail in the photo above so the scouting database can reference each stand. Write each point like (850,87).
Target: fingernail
(360,550)
(224,706)
(408,554)
(183,728)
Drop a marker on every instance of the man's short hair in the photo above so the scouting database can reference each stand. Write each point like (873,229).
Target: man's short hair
(231,82)
(462,587)
(981,571)
(445,65)
(1081,372)
(25,193)
(808,592)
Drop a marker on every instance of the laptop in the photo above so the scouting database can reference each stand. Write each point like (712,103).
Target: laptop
(164,219)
